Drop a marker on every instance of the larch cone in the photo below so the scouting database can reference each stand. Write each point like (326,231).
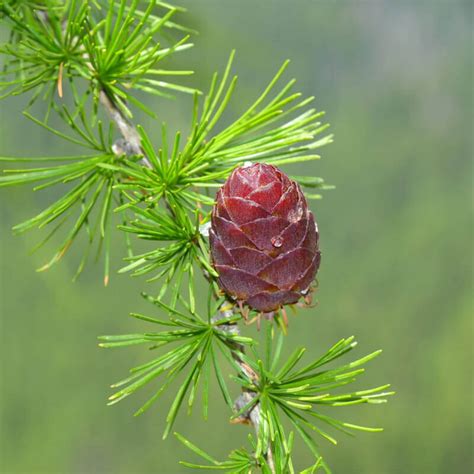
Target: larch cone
(264,239)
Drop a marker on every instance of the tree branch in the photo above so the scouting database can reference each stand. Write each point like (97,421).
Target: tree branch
(132,142)
(254,415)
(132,146)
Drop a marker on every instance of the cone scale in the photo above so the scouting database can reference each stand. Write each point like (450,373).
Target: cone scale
(264,239)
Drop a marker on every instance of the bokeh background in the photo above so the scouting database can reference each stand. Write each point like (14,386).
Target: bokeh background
(396,81)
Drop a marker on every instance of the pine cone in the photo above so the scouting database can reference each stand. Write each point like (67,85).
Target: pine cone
(264,241)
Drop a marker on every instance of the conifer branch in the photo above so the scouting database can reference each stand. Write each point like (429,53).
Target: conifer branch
(165,197)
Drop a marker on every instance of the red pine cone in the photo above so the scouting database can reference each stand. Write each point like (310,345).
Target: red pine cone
(264,241)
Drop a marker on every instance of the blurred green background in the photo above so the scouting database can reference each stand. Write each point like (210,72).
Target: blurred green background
(396,81)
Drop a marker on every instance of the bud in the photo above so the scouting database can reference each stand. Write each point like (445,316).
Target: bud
(264,240)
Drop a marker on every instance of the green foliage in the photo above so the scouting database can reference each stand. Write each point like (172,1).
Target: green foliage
(243,461)
(196,342)
(116,54)
(277,128)
(41,49)
(123,54)
(156,224)
(87,203)
(299,393)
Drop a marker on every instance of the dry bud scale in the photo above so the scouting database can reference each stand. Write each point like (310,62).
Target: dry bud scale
(264,240)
